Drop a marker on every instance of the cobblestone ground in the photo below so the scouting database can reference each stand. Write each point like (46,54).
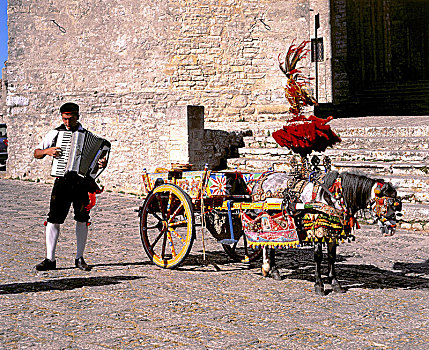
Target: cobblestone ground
(125,302)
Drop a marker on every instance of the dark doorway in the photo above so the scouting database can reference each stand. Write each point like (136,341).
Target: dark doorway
(385,66)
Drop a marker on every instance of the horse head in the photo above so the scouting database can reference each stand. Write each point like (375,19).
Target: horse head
(384,206)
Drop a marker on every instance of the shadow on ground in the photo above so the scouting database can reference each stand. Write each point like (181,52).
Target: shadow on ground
(137,263)
(299,264)
(63,284)
(412,267)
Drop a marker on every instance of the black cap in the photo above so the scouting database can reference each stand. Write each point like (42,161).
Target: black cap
(69,107)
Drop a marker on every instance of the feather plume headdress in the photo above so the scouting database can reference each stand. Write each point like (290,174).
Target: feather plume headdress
(302,134)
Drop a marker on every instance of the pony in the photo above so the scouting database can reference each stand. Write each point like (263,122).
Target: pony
(346,192)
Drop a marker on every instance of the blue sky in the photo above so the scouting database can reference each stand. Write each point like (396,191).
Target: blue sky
(3,32)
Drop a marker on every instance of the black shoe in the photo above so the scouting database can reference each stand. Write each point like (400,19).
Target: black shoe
(81,264)
(46,265)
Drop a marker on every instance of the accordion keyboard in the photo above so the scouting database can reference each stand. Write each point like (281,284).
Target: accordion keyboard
(59,164)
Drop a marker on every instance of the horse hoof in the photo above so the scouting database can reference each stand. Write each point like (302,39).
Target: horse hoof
(265,272)
(275,274)
(319,290)
(338,289)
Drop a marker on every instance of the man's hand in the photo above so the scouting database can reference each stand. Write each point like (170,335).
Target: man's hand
(51,151)
(102,163)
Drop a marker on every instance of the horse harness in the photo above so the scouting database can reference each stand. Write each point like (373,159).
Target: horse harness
(321,220)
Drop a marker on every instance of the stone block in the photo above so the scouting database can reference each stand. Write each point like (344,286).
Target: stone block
(417,226)
(272,109)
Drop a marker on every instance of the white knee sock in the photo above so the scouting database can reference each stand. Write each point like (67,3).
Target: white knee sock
(81,236)
(52,233)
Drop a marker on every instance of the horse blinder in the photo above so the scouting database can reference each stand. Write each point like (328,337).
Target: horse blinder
(384,207)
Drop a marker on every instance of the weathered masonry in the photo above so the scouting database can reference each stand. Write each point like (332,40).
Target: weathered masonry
(152,76)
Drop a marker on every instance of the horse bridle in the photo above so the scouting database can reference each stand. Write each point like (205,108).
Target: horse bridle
(384,208)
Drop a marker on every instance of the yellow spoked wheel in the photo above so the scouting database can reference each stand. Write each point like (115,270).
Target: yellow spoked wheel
(167,225)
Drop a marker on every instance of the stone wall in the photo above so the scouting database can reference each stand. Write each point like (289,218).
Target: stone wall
(128,63)
(3,89)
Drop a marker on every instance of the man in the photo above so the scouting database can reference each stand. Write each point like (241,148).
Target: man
(67,190)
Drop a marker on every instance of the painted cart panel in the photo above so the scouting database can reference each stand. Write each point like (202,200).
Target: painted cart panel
(216,184)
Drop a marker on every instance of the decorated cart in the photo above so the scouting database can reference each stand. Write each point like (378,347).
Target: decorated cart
(180,200)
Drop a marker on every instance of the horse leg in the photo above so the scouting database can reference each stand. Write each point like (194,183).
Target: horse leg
(332,256)
(318,256)
(265,262)
(269,268)
(274,272)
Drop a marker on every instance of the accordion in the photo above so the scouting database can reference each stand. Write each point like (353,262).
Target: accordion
(80,152)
